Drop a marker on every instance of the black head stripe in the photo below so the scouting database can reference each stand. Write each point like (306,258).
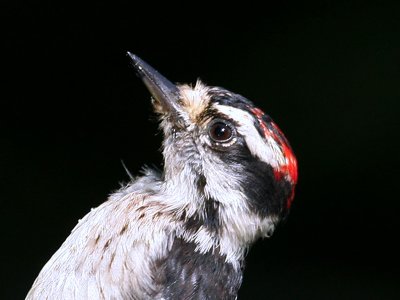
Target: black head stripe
(266,195)
(225,97)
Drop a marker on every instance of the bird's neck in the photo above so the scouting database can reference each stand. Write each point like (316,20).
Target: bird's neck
(209,221)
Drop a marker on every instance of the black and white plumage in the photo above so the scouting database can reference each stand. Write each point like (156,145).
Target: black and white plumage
(229,177)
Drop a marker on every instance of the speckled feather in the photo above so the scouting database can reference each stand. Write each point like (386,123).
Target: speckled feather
(182,233)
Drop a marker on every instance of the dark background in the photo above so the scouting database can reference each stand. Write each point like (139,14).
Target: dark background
(327,72)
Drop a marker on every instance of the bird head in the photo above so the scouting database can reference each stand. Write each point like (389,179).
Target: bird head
(227,165)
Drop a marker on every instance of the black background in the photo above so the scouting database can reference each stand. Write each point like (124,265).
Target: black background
(327,72)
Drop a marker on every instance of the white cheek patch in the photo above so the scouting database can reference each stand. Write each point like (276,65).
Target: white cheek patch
(266,149)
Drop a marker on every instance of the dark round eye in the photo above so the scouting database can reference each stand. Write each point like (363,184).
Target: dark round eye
(220,132)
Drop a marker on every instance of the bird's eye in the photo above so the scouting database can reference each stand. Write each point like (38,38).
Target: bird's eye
(220,132)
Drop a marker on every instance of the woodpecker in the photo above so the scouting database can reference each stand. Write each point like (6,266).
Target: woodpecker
(228,178)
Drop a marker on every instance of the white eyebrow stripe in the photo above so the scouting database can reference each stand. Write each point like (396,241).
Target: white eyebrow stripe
(266,149)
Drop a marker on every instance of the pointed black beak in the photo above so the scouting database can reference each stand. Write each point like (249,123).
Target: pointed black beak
(163,91)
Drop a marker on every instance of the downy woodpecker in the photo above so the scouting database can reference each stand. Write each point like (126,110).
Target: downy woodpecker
(228,179)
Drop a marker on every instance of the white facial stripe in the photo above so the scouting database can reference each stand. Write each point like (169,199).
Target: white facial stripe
(266,149)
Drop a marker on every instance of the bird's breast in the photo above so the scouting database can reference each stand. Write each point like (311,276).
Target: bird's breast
(184,273)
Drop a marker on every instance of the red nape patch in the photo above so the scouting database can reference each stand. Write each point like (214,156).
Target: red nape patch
(291,166)
(290,199)
(289,169)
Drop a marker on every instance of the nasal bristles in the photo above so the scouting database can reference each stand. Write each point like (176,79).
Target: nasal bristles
(194,100)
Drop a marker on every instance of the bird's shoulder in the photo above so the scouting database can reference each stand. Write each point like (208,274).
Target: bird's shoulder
(113,244)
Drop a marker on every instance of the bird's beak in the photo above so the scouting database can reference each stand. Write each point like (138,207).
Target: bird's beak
(163,91)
